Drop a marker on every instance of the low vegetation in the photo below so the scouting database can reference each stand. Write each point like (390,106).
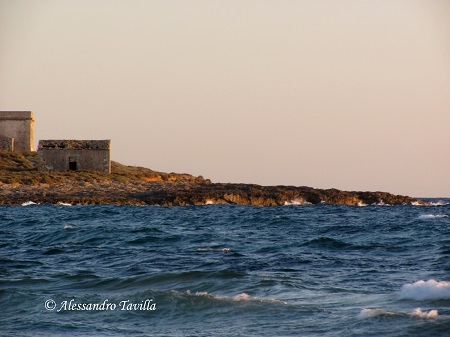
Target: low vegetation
(21,169)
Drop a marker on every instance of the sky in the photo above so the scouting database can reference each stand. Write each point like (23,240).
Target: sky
(349,94)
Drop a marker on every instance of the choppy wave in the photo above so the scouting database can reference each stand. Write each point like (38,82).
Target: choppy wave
(271,271)
(426,290)
(331,243)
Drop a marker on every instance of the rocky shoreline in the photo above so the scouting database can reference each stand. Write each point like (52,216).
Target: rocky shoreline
(189,193)
(20,182)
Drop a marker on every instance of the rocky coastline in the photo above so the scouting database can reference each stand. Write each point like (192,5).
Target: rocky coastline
(20,182)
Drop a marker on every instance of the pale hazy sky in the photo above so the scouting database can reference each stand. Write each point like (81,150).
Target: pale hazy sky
(350,94)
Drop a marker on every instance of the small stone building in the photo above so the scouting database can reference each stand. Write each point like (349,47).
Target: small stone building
(16,131)
(74,155)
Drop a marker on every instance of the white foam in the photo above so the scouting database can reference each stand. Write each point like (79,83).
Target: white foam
(382,203)
(439,203)
(361,204)
(64,204)
(239,298)
(431,203)
(295,202)
(68,227)
(426,290)
(242,297)
(432,216)
(416,313)
(29,203)
(224,250)
(420,314)
(367,313)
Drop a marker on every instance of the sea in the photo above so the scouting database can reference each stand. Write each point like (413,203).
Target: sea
(225,270)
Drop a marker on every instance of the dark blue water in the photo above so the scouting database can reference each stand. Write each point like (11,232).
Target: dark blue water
(219,270)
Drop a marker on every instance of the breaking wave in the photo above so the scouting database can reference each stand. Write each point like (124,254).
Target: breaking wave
(295,202)
(416,313)
(426,290)
(29,203)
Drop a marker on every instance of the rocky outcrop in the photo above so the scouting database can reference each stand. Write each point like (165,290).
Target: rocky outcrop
(255,195)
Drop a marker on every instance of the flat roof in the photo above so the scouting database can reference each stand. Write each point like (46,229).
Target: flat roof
(74,144)
(16,115)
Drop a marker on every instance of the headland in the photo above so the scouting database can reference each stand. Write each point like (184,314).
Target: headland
(20,182)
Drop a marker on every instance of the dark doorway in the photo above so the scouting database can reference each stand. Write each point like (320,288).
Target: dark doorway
(72,164)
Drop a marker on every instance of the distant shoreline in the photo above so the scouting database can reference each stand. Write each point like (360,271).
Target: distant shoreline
(20,182)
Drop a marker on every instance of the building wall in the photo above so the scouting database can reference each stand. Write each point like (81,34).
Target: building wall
(79,155)
(6,144)
(20,126)
(86,160)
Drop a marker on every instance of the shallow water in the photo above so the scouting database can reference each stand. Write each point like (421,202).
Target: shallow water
(220,270)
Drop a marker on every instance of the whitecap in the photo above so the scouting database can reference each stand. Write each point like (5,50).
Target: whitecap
(439,203)
(382,203)
(64,204)
(224,250)
(432,216)
(29,203)
(367,313)
(421,314)
(68,227)
(416,313)
(426,290)
(296,201)
(242,297)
